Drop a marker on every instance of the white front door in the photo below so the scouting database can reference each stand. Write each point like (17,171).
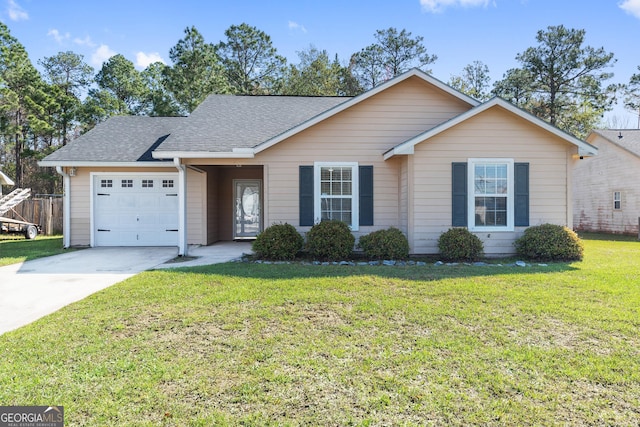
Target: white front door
(135,210)
(247,218)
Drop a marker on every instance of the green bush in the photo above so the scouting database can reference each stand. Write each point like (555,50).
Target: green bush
(330,240)
(459,244)
(549,242)
(385,244)
(278,242)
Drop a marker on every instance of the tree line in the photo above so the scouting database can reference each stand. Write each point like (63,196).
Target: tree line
(560,80)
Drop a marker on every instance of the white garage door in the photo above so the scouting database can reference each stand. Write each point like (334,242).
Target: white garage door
(136,210)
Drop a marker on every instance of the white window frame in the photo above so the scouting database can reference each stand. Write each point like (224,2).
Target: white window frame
(355,199)
(617,199)
(471,195)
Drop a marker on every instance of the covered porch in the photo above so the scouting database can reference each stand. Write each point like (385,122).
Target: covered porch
(234,202)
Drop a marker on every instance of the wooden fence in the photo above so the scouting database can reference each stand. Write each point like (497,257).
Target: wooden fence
(47,212)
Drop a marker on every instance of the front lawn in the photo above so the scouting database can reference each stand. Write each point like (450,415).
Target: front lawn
(249,344)
(14,249)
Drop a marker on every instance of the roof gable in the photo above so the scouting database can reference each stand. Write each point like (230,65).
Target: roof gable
(627,139)
(407,147)
(415,72)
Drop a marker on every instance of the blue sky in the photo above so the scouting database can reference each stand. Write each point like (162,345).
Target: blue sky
(457,31)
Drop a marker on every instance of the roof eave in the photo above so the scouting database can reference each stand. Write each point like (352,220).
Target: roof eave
(84,163)
(236,154)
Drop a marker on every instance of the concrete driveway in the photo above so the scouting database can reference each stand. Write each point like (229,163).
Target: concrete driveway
(38,287)
(33,289)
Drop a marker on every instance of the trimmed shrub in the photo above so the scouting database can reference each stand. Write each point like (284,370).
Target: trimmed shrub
(459,244)
(385,244)
(549,242)
(330,240)
(278,242)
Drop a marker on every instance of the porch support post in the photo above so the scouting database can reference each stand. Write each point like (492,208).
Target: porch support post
(182,207)
(66,207)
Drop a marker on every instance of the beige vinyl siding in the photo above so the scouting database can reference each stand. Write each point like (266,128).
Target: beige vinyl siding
(196,207)
(494,133)
(360,134)
(403,191)
(595,180)
(80,209)
(213,177)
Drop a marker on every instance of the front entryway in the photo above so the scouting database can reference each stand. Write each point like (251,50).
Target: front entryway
(247,218)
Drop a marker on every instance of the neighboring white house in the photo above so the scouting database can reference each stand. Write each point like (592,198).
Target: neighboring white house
(606,191)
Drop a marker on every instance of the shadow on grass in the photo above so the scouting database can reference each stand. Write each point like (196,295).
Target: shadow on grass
(427,272)
(609,237)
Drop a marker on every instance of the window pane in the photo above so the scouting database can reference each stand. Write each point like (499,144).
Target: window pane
(346,189)
(491,211)
(346,174)
(490,187)
(325,187)
(336,188)
(501,186)
(325,174)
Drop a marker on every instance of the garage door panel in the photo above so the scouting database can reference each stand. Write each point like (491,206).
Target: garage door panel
(136,210)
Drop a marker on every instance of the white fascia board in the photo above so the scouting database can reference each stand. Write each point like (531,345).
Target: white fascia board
(78,163)
(357,99)
(203,155)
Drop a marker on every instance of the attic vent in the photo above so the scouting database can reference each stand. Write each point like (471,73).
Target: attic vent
(620,135)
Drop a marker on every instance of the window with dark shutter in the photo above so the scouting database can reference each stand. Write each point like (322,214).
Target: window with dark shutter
(306,196)
(366,195)
(521,194)
(459,194)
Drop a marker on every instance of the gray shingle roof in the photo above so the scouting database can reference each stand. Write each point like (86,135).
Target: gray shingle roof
(119,139)
(224,122)
(630,138)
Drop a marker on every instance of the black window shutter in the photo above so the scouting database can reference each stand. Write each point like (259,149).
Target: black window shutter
(521,201)
(366,195)
(459,194)
(306,195)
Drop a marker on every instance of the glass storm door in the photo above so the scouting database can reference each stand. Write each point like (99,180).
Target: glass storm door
(247,217)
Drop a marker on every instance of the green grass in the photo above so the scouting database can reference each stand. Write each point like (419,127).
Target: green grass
(18,249)
(248,344)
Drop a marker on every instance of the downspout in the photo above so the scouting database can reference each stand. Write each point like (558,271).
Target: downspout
(182,207)
(66,207)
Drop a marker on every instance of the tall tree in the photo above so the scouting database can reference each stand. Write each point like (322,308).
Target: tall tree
(159,102)
(474,80)
(632,95)
(196,71)
(393,53)
(566,73)
(516,87)
(97,107)
(251,63)
(317,75)
(21,84)
(68,72)
(119,78)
